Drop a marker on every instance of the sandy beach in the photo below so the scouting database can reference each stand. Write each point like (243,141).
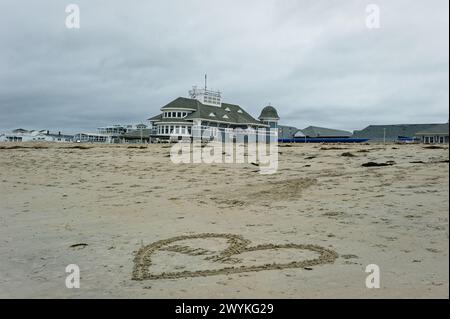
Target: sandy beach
(139,226)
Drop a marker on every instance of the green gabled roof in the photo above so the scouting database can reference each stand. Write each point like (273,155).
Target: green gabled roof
(435,129)
(155,118)
(223,115)
(315,131)
(235,115)
(182,103)
(392,130)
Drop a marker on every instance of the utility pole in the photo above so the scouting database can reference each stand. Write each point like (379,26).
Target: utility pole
(384,136)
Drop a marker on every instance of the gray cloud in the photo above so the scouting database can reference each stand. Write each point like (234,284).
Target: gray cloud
(314,60)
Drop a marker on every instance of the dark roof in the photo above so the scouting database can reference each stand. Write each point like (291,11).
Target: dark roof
(227,113)
(182,103)
(435,129)
(269,112)
(392,131)
(285,132)
(156,118)
(315,131)
(20,130)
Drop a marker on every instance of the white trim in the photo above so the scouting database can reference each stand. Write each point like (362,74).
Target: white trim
(172,109)
(231,123)
(169,123)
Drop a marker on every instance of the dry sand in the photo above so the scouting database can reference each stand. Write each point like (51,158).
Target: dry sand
(153,229)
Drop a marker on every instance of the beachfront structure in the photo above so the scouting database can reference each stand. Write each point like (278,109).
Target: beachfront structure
(437,134)
(269,116)
(204,111)
(393,133)
(138,135)
(116,134)
(316,134)
(22,135)
(114,130)
(92,138)
(322,132)
(286,132)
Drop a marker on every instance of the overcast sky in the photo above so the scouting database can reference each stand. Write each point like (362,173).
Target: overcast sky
(315,61)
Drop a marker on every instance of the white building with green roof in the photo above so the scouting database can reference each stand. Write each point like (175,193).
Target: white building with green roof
(204,110)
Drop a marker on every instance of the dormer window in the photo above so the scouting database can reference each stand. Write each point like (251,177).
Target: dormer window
(239,111)
(212,114)
(227,109)
(225,116)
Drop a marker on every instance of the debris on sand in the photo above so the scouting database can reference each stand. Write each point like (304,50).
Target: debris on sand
(374,164)
(141,147)
(348,154)
(81,147)
(78,246)
(255,164)
(430,162)
(333,148)
(14,147)
(434,147)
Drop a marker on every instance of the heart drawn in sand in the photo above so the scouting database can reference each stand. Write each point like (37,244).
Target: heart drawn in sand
(236,246)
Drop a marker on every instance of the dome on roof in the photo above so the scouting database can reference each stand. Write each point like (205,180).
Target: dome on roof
(269,112)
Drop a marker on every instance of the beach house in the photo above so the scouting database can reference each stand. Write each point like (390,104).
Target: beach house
(205,111)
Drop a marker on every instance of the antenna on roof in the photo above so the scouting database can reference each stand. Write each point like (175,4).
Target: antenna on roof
(206,79)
